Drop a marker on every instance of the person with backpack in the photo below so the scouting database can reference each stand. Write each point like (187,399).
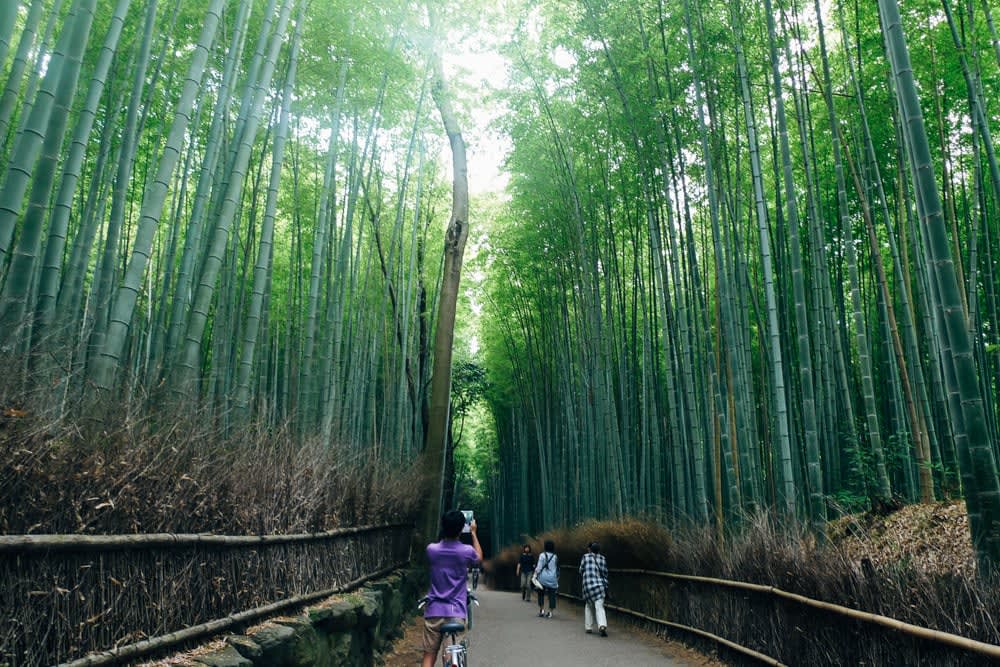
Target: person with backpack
(594,571)
(547,573)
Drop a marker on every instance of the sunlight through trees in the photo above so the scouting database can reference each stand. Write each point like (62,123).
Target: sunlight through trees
(745,258)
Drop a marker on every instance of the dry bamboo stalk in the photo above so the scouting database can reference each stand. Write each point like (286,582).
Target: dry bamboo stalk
(947,638)
(147,646)
(12,544)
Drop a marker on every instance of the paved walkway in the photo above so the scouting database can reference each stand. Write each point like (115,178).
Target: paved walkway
(507,632)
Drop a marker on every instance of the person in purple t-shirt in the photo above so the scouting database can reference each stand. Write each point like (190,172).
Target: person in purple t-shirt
(448,561)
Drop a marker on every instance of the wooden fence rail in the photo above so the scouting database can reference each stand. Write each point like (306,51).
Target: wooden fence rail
(790,628)
(50,543)
(63,597)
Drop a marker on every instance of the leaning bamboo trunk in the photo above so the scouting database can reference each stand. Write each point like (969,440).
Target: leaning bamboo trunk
(106,364)
(206,179)
(8,99)
(185,372)
(8,12)
(101,367)
(261,272)
(24,264)
(28,143)
(454,248)
(51,269)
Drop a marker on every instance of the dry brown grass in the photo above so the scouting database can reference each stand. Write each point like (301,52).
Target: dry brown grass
(932,538)
(183,474)
(178,473)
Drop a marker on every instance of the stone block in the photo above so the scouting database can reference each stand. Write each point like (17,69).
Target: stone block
(370,611)
(276,644)
(337,616)
(307,647)
(344,631)
(225,657)
(245,646)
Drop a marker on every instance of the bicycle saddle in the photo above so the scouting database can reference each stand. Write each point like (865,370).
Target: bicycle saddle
(452,628)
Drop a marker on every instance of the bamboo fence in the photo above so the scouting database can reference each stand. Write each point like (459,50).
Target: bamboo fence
(63,597)
(769,625)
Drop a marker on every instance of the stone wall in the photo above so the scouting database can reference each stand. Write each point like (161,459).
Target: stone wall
(343,631)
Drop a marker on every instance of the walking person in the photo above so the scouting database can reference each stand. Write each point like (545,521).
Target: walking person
(594,570)
(547,571)
(525,566)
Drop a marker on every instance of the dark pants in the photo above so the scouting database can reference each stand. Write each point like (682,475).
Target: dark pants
(552,597)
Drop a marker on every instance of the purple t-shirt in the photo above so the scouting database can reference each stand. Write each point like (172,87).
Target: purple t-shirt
(449,562)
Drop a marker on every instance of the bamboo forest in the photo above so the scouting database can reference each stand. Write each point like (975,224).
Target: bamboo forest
(686,261)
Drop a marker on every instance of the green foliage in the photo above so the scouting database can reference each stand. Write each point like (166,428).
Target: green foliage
(468,386)
(845,501)
(475,459)
(599,358)
(617,327)
(377,278)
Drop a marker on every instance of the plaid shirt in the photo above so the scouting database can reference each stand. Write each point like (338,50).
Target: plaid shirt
(594,569)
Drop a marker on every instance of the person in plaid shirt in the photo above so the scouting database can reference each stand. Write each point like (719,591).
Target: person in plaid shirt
(594,570)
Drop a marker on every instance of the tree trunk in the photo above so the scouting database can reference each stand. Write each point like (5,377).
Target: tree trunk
(444,335)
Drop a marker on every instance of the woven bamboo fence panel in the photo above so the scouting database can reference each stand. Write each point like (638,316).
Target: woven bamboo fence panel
(791,629)
(62,597)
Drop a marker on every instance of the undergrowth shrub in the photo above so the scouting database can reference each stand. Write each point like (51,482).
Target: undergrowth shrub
(183,473)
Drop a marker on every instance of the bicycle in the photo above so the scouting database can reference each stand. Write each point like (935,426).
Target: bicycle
(456,653)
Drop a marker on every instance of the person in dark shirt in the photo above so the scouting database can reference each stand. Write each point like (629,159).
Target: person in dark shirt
(525,566)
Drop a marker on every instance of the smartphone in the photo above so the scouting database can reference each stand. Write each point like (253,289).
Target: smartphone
(468,521)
